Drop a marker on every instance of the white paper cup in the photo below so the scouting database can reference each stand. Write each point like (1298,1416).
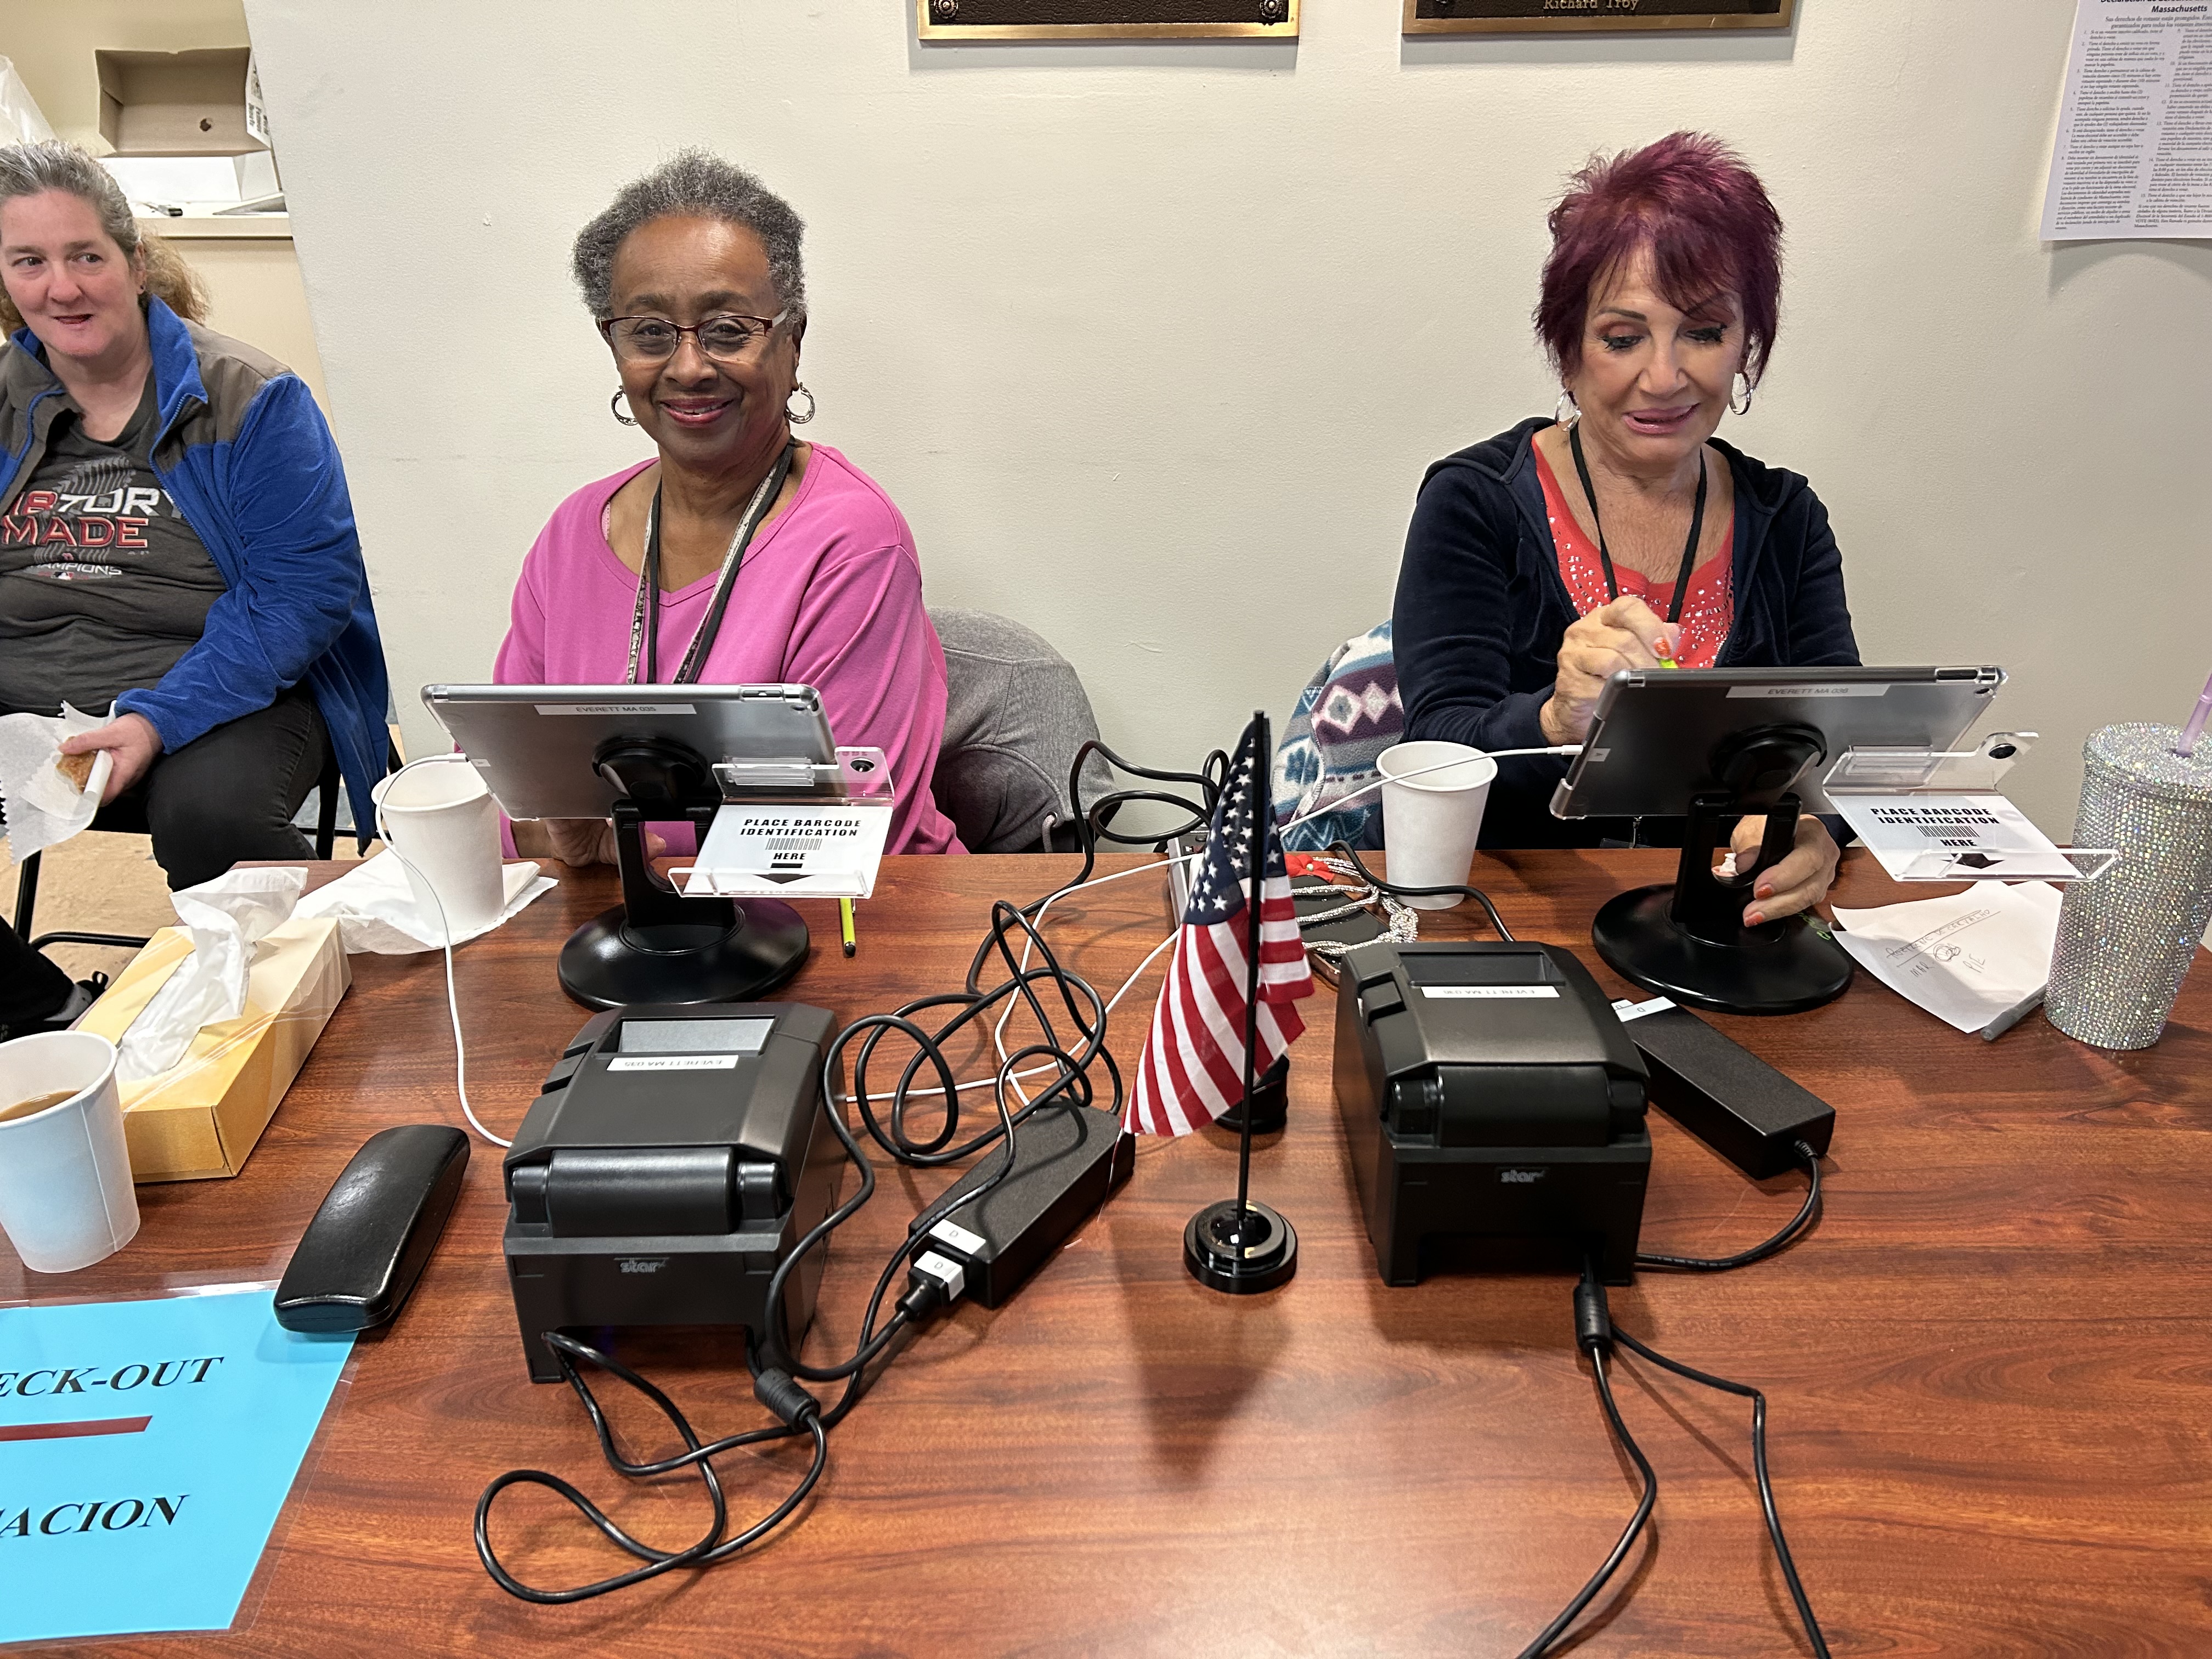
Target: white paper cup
(1430,823)
(443,821)
(66,1200)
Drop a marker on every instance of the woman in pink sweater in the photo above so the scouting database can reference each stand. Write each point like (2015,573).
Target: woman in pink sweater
(738,555)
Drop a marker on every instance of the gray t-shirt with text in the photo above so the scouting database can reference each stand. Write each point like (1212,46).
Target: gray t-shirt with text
(103,586)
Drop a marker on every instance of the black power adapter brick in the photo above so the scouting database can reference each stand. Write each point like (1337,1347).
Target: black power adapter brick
(1066,1160)
(1726,1096)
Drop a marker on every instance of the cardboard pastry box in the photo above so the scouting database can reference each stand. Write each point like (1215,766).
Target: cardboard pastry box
(202,1116)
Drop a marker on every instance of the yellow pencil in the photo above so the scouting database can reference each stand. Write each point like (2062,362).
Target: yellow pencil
(845,925)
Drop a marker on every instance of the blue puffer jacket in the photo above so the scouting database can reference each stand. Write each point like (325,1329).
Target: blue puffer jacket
(248,460)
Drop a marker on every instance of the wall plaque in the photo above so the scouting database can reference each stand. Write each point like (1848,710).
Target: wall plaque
(1590,16)
(1107,19)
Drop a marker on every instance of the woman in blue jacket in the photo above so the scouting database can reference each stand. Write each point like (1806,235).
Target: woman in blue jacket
(1624,534)
(175,536)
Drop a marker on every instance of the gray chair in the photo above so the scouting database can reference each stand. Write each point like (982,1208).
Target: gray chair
(1015,714)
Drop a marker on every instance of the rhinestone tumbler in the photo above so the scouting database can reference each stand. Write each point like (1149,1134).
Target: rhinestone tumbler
(2125,940)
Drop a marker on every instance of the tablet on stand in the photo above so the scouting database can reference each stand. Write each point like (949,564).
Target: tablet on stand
(1714,745)
(656,754)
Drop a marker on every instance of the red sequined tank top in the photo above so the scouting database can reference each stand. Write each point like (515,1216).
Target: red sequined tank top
(1708,609)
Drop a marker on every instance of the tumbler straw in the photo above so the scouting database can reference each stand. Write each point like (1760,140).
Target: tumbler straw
(2195,729)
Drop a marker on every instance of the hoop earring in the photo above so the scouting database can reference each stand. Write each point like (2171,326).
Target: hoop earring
(1566,411)
(798,389)
(616,413)
(1743,408)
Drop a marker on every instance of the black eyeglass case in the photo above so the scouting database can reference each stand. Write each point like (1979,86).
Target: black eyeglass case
(358,1262)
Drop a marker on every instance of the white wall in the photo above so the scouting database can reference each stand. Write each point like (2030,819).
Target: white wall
(1152,343)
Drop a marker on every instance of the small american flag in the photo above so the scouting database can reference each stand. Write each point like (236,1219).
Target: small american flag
(1193,1067)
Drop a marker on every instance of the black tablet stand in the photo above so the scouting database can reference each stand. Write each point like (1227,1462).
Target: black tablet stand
(1688,941)
(658,945)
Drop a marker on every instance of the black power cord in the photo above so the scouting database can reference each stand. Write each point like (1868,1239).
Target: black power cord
(1808,1213)
(775,1369)
(1782,1555)
(1597,1581)
(1496,921)
(1594,1335)
(1093,823)
(1084,1008)
(711,1546)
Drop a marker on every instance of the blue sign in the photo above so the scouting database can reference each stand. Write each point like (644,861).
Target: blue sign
(145,1450)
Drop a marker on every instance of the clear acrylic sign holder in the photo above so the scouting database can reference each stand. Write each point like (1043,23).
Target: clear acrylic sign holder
(795,829)
(1938,815)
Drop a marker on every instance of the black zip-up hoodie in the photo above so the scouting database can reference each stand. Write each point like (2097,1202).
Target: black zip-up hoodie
(1481,609)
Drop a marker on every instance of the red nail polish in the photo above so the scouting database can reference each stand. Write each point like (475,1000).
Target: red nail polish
(1753,920)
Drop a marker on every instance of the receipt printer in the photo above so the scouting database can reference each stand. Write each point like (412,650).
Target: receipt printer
(674,1157)
(1489,1091)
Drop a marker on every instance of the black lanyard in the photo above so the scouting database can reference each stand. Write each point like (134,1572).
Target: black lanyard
(1605,554)
(645,621)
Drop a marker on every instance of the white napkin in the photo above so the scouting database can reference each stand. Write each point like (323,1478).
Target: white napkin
(376,911)
(1970,960)
(43,808)
(225,917)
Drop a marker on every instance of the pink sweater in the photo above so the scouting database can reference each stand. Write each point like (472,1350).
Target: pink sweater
(830,596)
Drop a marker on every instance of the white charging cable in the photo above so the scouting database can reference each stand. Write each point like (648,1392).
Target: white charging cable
(1422,772)
(452,999)
(999,1029)
(445,933)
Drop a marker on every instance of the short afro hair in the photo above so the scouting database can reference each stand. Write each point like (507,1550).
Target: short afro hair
(693,184)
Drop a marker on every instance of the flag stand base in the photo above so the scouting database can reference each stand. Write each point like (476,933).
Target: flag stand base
(1240,1255)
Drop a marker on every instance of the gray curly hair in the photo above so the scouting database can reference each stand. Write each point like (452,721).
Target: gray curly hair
(55,164)
(694,183)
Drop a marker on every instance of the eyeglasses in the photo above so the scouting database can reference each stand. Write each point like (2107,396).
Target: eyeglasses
(728,338)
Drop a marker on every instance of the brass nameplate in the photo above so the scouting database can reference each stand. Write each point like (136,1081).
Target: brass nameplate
(1106,20)
(1590,16)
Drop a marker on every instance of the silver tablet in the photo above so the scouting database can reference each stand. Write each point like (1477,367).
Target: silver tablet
(534,744)
(1650,747)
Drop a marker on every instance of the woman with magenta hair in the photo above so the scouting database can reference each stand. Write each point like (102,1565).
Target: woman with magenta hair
(1622,533)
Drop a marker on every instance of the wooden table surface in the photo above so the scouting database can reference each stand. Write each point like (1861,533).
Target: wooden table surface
(1988,1369)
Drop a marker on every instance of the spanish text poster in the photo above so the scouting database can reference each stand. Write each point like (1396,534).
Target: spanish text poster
(2134,155)
(145,1450)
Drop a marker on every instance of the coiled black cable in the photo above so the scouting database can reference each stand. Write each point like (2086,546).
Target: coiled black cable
(1084,1008)
(711,1546)
(1094,823)
(773,1366)
(1808,1213)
